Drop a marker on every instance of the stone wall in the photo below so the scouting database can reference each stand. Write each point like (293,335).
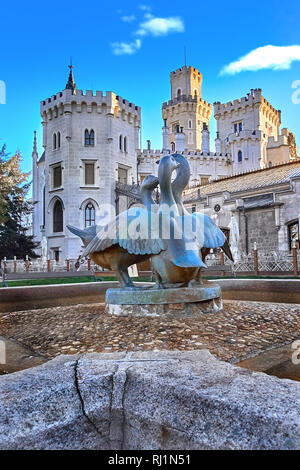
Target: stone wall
(261,229)
(147,400)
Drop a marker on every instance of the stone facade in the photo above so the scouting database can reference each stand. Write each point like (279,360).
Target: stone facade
(90,143)
(259,207)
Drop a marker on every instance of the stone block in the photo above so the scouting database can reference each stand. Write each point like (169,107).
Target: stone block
(147,400)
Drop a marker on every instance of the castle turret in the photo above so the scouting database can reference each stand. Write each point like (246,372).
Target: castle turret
(186,108)
(205,139)
(90,141)
(165,136)
(34,169)
(71,85)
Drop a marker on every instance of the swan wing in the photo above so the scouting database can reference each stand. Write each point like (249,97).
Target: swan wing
(136,230)
(207,233)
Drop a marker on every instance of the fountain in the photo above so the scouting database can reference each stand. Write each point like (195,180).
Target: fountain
(167,234)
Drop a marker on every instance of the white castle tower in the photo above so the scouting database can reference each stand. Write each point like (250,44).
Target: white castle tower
(244,127)
(90,142)
(187,112)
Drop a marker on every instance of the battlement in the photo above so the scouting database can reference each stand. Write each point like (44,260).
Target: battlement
(252,98)
(183,70)
(113,102)
(216,156)
(282,140)
(185,99)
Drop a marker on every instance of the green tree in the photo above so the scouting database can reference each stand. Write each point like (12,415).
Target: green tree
(14,207)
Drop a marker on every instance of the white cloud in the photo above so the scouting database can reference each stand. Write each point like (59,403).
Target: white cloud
(145,7)
(161,26)
(266,57)
(129,48)
(128,19)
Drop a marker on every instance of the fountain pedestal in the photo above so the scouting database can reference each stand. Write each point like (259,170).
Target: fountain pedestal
(188,301)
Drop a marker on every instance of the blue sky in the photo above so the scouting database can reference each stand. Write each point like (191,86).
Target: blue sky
(130,48)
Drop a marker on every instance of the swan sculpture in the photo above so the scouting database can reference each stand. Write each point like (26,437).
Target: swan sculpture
(112,255)
(150,233)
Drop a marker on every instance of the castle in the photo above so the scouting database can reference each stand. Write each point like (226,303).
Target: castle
(91,144)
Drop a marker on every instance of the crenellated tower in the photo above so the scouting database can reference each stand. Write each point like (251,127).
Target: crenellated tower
(91,142)
(186,113)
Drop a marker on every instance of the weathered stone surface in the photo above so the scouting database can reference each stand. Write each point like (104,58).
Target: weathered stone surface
(163,296)
(147,400)
(176,310)
(187,301)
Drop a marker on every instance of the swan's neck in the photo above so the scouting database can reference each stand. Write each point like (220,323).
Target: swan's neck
(146,195)
(167,198)
(178,185)
(182,210)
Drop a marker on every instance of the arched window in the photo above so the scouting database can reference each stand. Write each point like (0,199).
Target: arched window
(195,92)
(125,144)
(54,141)
(58,217)
(86,137)
(120,142)
(89,138)
(89,215)
(240,156)
(190,124)
(179,92)
(58,140)
(92,137)
(172,146)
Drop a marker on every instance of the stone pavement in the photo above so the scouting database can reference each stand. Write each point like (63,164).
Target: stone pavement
(242,330)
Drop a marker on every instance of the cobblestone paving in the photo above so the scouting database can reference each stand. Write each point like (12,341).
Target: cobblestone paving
(241,330)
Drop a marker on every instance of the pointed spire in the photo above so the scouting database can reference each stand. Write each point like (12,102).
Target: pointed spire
(71,85)
(34,151)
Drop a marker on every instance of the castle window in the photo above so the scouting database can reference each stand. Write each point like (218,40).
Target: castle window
(172,146)
(89,215)
(240,156)
(57,176)
(92,137)
(238,127)
(58,217)
(89,138)
(179,92)
(125,144)
(190,124)
(54,141)
(195,92)
(58,140)
(122,175)
(204,180)
(120,142)
(89,174)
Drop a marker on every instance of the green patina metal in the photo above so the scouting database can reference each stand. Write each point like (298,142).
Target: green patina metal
(162,296)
